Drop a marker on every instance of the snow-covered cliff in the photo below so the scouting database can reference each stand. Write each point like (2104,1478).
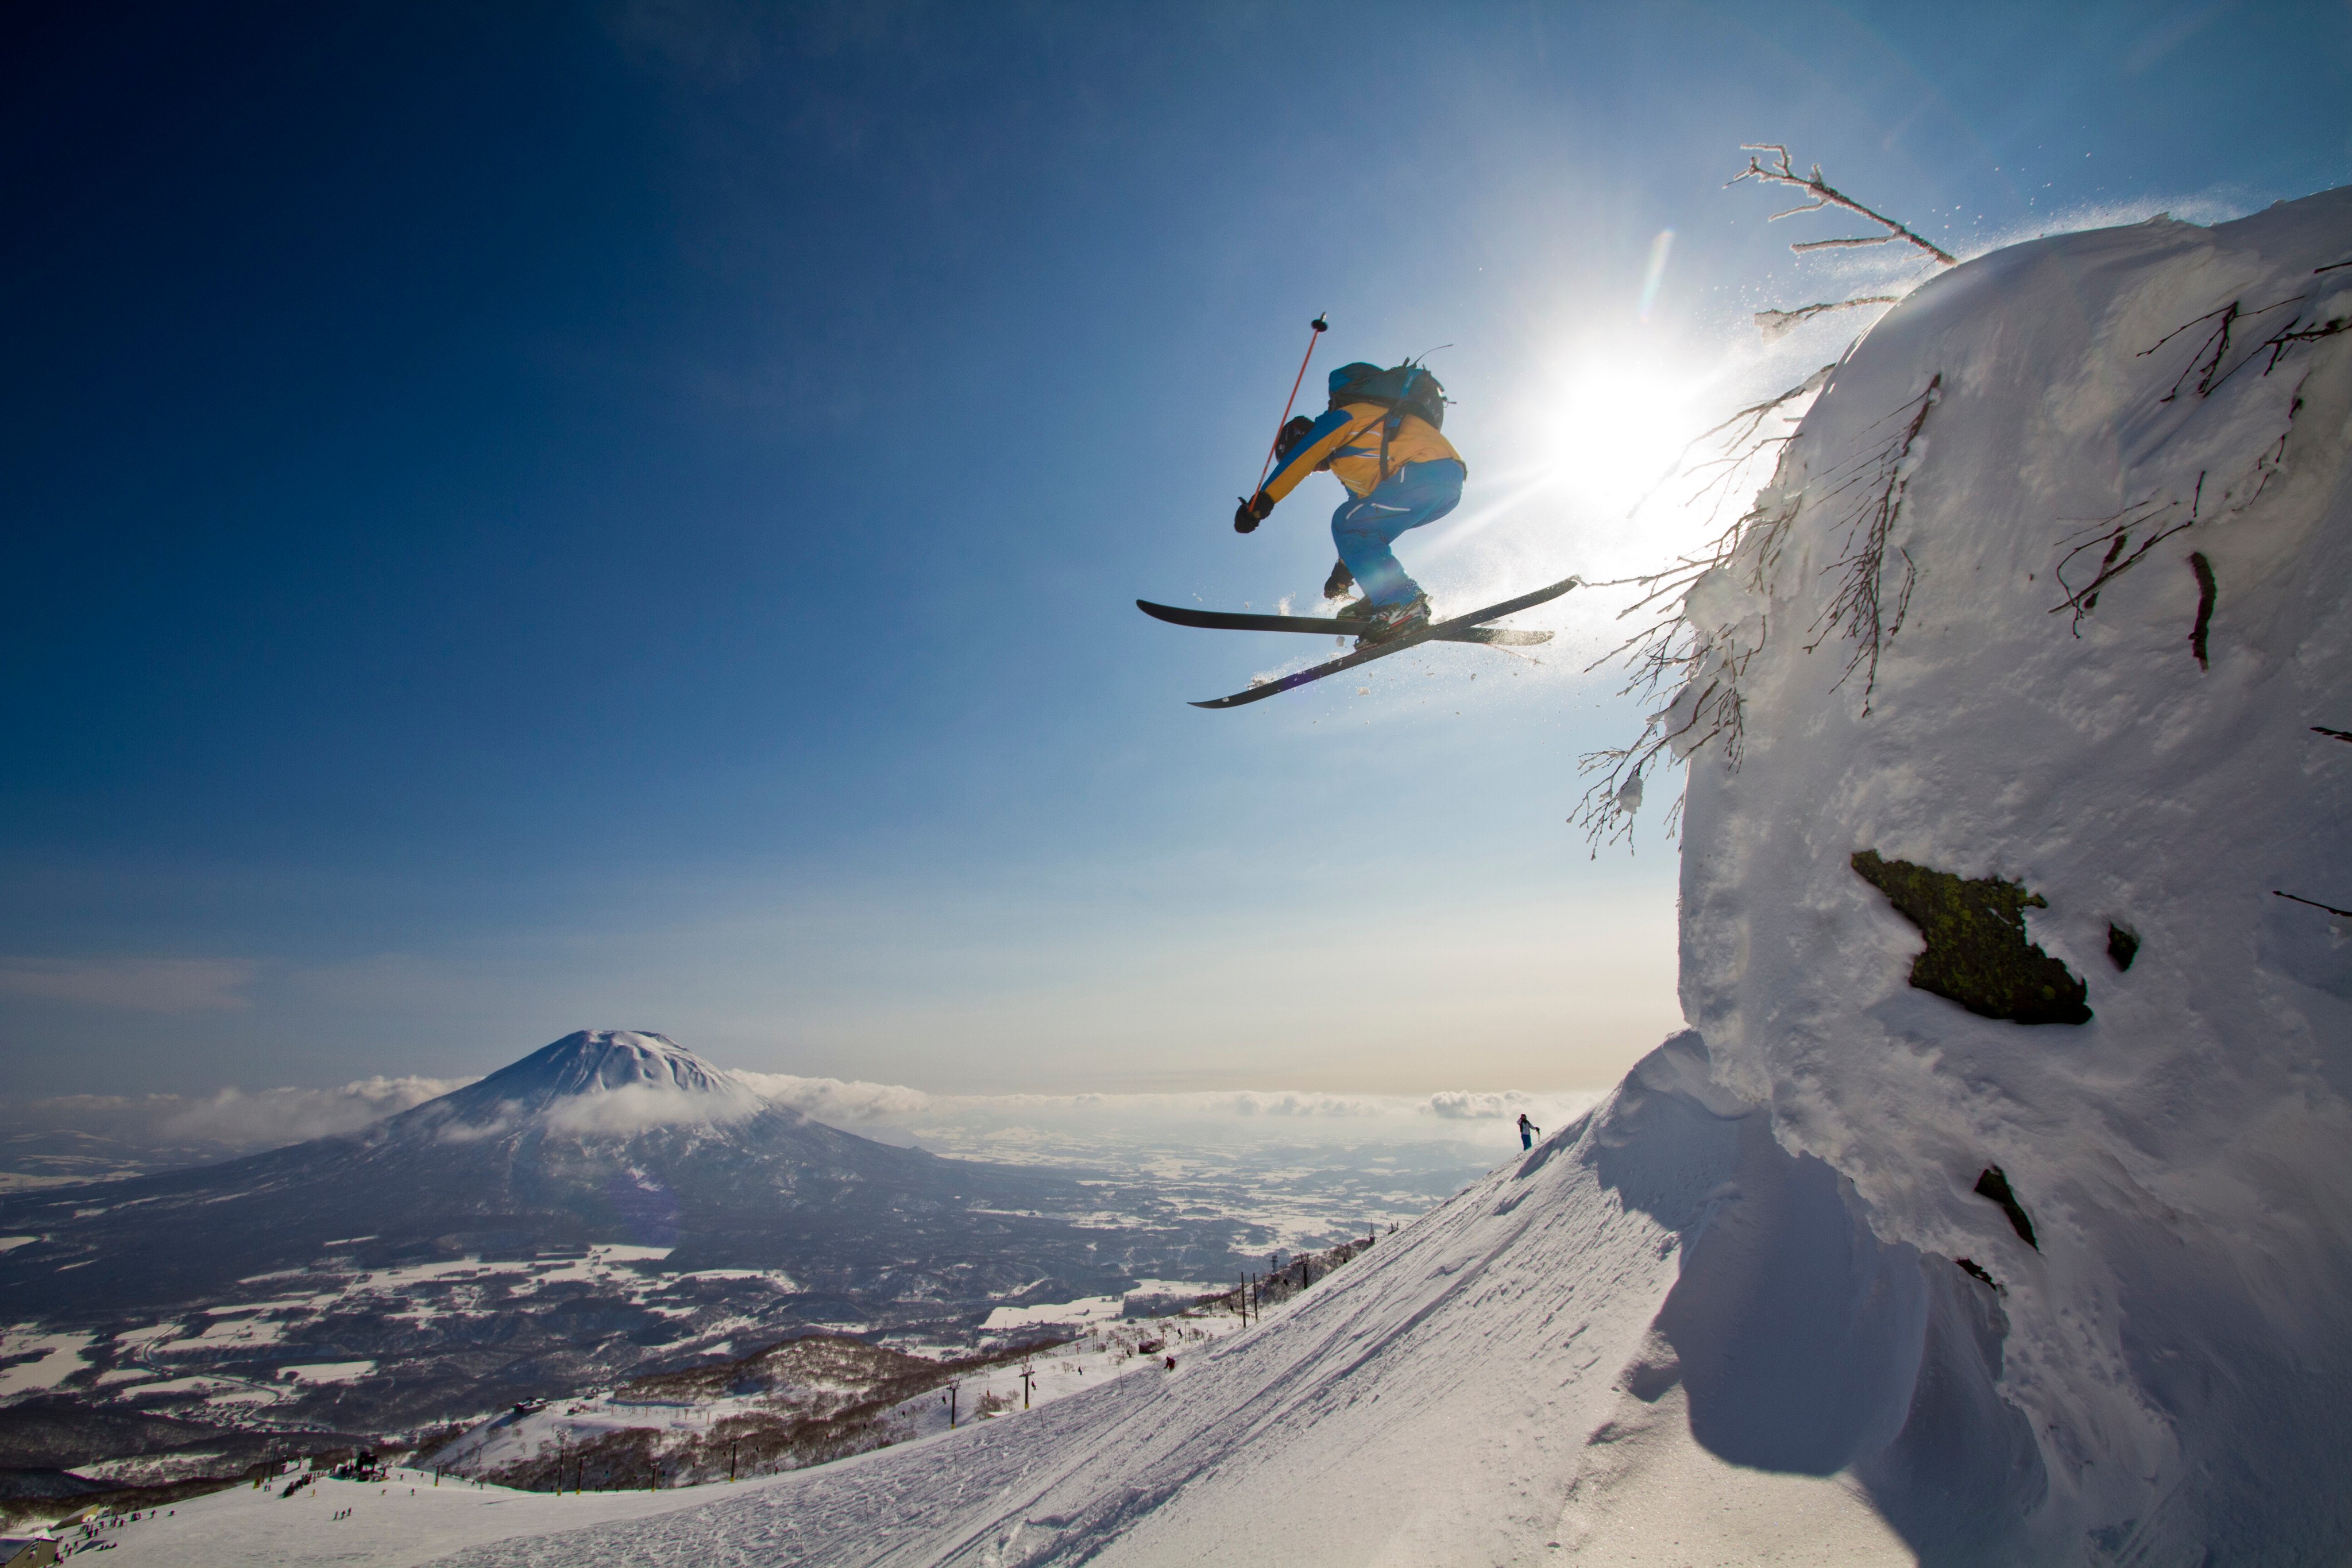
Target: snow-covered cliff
(2113,471)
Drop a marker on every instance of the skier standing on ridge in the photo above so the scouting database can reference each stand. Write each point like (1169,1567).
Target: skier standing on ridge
(1381,439)
(1528,1130)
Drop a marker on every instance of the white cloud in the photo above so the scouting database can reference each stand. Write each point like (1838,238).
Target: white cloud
(141,984)
(1251,1102)
(634,1107)
(267,1117)
(837,1100)
(1467,1105)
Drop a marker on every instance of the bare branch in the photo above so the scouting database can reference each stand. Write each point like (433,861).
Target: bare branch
(2315,903)
(1779,172)
(2116,532)
(2215,346)
(1738,447)
(1705,663)
(1669,652)
(1859,610)
(1779,323)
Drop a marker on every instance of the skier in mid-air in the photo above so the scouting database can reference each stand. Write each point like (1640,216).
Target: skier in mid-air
(1528,1130)
(1381,439)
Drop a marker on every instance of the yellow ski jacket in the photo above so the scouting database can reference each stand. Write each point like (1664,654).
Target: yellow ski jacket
(1347,440)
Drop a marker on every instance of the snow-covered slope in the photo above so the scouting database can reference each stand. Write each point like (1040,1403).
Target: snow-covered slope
(1460,1394)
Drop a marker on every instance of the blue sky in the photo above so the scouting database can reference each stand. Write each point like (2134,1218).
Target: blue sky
(529,516)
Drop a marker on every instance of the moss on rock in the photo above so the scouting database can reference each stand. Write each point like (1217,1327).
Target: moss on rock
(1976,952)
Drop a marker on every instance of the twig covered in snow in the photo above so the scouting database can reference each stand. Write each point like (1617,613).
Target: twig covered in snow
(2211,365)
(1776,324)
(2206,591)
(1779,172)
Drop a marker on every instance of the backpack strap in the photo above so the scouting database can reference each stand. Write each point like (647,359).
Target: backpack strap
(1395,421)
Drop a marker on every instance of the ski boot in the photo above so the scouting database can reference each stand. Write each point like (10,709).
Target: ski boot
(1386,623)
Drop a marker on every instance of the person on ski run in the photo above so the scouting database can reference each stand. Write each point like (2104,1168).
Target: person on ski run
(1528,1130)
(1399,473)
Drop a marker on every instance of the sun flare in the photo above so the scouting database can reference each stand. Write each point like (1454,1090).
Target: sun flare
(1617,425)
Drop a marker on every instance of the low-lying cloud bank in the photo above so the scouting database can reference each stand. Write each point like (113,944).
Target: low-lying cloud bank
(1297,1114)
(69,1135)
(839,1101)
(84,1136)
(272,1117)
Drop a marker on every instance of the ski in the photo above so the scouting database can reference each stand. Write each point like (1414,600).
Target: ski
(1436,631)
(1234,621)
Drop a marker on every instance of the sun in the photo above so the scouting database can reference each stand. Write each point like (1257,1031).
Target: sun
(1616,426)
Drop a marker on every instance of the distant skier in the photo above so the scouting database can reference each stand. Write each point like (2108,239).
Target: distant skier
(1528,1130)
(1380,439)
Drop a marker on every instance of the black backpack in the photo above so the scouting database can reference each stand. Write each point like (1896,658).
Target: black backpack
(1405,388)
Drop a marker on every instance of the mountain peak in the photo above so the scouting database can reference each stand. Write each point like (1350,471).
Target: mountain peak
(602,1081)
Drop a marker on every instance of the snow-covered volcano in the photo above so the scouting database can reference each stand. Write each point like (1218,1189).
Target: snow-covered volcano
(604,1136)
(612,1081)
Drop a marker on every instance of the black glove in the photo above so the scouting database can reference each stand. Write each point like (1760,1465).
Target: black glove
(1252,510)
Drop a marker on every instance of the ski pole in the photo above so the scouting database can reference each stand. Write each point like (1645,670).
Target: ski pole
(1320,326)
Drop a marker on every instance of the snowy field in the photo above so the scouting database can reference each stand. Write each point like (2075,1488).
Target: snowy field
(415,1516)
(405,1519)
(167,1362)
(1101,1350)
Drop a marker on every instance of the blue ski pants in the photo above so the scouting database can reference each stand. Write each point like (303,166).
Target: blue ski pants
(1366,525)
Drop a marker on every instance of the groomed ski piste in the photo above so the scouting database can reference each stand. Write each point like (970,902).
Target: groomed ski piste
(1768,1301)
